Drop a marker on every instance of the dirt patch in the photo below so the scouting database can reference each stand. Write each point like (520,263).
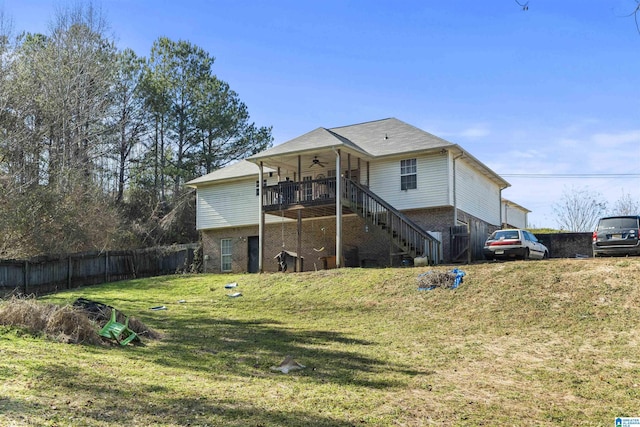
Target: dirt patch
(69,324)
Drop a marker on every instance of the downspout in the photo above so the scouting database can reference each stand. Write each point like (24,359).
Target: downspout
(338,209)
(261,219)
(506,208)
(455,197)
(504,220)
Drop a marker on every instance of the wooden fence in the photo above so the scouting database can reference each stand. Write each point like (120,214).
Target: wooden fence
(43,275)
(467,241)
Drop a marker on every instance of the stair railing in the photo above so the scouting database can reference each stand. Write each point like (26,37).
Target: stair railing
(405,233)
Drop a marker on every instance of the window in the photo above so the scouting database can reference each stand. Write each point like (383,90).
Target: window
(225,254)
(618,222)
(408,174)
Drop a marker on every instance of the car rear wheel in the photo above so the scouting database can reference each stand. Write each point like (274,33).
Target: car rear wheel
(526,254)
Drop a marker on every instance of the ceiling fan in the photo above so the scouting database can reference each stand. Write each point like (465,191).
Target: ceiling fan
(316,161)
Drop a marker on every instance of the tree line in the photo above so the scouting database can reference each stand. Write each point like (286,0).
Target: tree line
(96,142)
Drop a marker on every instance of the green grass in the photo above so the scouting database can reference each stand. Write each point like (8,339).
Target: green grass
(544,343)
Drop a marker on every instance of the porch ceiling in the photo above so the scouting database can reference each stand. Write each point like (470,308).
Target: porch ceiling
(290,161)
(321,159)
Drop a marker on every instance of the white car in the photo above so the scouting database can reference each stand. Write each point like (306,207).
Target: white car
(514,243)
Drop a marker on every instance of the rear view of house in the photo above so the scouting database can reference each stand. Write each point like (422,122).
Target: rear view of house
(379,193)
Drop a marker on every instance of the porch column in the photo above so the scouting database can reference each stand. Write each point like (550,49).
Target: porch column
(261,219)
(299,223)
(338,210)
(299,180)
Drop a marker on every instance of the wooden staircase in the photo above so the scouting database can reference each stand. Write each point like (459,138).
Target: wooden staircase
(412,239)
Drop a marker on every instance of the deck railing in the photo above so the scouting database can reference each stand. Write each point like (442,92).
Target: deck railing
(307,192)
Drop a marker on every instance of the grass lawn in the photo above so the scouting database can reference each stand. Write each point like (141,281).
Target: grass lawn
(537,343)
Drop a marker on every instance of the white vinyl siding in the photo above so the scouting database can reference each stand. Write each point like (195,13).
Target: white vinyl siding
(476,194)
(230,204)
(514,216)
(226,251)
(431,181)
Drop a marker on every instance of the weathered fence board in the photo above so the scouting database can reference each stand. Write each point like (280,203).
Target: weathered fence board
(49,274)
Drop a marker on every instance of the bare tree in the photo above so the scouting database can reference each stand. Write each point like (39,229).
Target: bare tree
(76,71)
(634,13)
(127,120)
(579,209)
(626,205)
(524,6)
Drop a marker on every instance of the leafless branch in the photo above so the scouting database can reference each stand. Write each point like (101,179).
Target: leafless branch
(635,14)
(524,6)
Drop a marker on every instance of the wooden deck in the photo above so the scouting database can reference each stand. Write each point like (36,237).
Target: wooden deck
(314,198)
(317,198)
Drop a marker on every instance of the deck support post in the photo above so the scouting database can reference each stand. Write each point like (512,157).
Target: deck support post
(299,249)
(338,210)
(261,218)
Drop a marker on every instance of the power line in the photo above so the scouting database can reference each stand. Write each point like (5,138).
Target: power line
(571,175)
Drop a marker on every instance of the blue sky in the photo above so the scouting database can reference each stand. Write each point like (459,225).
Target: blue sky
(554,90)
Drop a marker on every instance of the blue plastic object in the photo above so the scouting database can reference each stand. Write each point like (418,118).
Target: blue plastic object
(459,275)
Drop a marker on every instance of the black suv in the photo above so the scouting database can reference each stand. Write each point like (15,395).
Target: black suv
(617,235)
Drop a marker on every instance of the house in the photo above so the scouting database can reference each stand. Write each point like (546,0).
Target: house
(378,193)
(514,215)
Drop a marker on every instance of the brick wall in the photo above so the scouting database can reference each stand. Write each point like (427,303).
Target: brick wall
(363,244)
(360,242)
(211,248)
(441,220)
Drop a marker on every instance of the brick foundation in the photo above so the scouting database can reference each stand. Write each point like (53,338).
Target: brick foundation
(363,245)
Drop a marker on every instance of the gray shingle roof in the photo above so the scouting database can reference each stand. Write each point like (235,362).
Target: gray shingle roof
(377,138)
(389,136)
(318,138)
(373,139)
(239,169)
